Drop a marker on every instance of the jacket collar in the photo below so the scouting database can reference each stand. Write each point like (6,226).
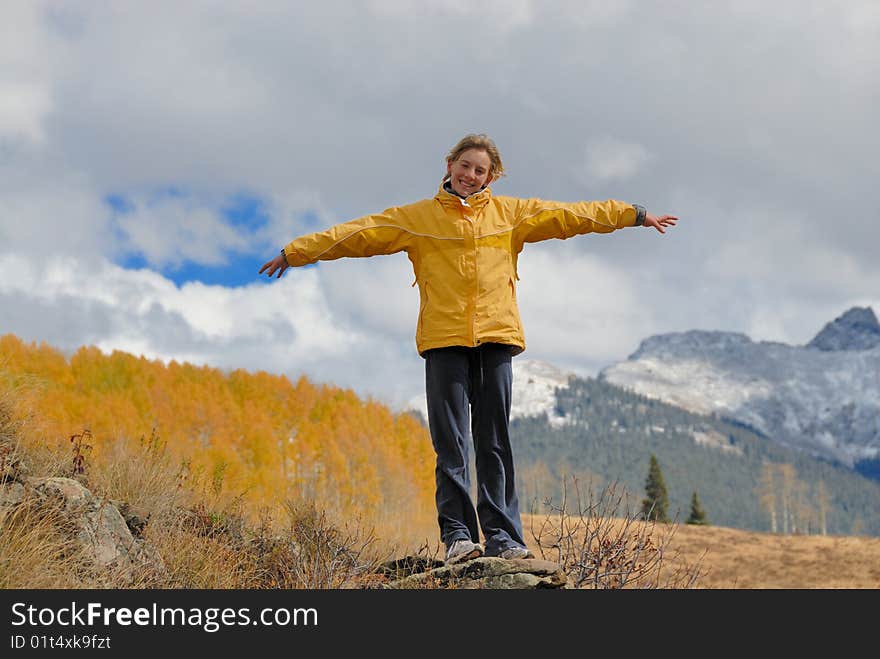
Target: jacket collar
(476,201)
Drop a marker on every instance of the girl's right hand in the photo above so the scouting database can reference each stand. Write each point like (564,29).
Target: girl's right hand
(279,263)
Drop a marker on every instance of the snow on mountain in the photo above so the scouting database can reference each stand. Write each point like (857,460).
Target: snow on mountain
(823,397)
(534,391)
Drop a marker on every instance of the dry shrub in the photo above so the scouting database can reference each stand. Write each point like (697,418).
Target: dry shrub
(600,542)
(143,475)
(313,551)
(196,561)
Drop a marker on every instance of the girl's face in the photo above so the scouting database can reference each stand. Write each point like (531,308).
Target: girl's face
(470,172)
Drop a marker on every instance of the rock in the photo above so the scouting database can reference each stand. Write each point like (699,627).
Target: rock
(408,565)
(487,572)
(11,467)
(98,530)
(135,521)
(11,494)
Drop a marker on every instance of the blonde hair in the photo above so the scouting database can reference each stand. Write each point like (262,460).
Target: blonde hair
(482,142)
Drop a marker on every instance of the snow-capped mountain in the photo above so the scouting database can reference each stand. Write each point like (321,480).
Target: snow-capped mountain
(534,391)
(823,397)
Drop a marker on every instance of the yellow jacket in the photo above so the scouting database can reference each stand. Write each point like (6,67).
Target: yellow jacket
(464,255)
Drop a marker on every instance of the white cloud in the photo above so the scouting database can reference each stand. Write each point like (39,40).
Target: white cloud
(25,79)
(609,159)
(575,307)
(22,108)
(375,294)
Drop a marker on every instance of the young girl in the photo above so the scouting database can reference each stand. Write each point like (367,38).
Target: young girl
(464,244)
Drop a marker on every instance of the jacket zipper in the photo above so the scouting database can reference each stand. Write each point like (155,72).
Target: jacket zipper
(469,218)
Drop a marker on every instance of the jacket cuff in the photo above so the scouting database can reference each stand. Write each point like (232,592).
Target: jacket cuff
(641,212)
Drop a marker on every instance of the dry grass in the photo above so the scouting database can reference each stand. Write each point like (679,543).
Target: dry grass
(36,550)
(746,559)
(733,558)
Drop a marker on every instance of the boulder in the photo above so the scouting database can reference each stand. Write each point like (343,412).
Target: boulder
(485,572)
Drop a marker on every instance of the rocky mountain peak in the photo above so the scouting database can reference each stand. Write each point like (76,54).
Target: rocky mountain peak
(856,329)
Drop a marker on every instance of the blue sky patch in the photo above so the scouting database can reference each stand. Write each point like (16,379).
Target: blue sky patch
(243,211)
(242,269)
(118,203)
(246,212)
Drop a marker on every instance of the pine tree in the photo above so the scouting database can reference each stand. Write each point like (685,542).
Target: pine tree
(698,515)
(656,503)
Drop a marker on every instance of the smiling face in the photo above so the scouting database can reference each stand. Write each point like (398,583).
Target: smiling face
(470,172)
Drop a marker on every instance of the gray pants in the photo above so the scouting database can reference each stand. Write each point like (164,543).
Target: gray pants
(456,379)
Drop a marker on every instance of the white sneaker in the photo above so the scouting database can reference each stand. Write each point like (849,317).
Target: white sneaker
(463,550)
(516,552)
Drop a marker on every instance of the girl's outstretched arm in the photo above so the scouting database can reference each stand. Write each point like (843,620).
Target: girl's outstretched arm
(371,235)
(540,219)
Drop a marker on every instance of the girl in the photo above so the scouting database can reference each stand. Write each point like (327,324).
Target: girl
(464,244)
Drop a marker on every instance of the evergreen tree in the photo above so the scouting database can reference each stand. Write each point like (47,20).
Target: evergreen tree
(656,502)
(698,515)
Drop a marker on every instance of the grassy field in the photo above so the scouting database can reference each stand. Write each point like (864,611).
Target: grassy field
(733,558)
(745,559)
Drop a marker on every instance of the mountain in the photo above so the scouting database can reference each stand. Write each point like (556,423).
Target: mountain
(822,398)
(743,480)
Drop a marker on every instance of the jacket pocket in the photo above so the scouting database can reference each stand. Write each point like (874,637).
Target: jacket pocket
(423,302)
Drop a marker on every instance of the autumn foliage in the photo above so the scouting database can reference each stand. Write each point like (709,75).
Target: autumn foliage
(274,441)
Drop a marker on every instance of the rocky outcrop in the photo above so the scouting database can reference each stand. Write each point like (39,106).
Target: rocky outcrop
(97,530)
(480,573)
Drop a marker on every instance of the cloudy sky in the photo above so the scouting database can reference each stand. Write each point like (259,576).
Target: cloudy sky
(153,155)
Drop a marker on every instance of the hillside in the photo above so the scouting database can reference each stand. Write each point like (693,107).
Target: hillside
(257,435)
(742,479)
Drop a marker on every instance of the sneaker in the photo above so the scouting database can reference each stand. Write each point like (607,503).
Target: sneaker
(516,552)
(463,550)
